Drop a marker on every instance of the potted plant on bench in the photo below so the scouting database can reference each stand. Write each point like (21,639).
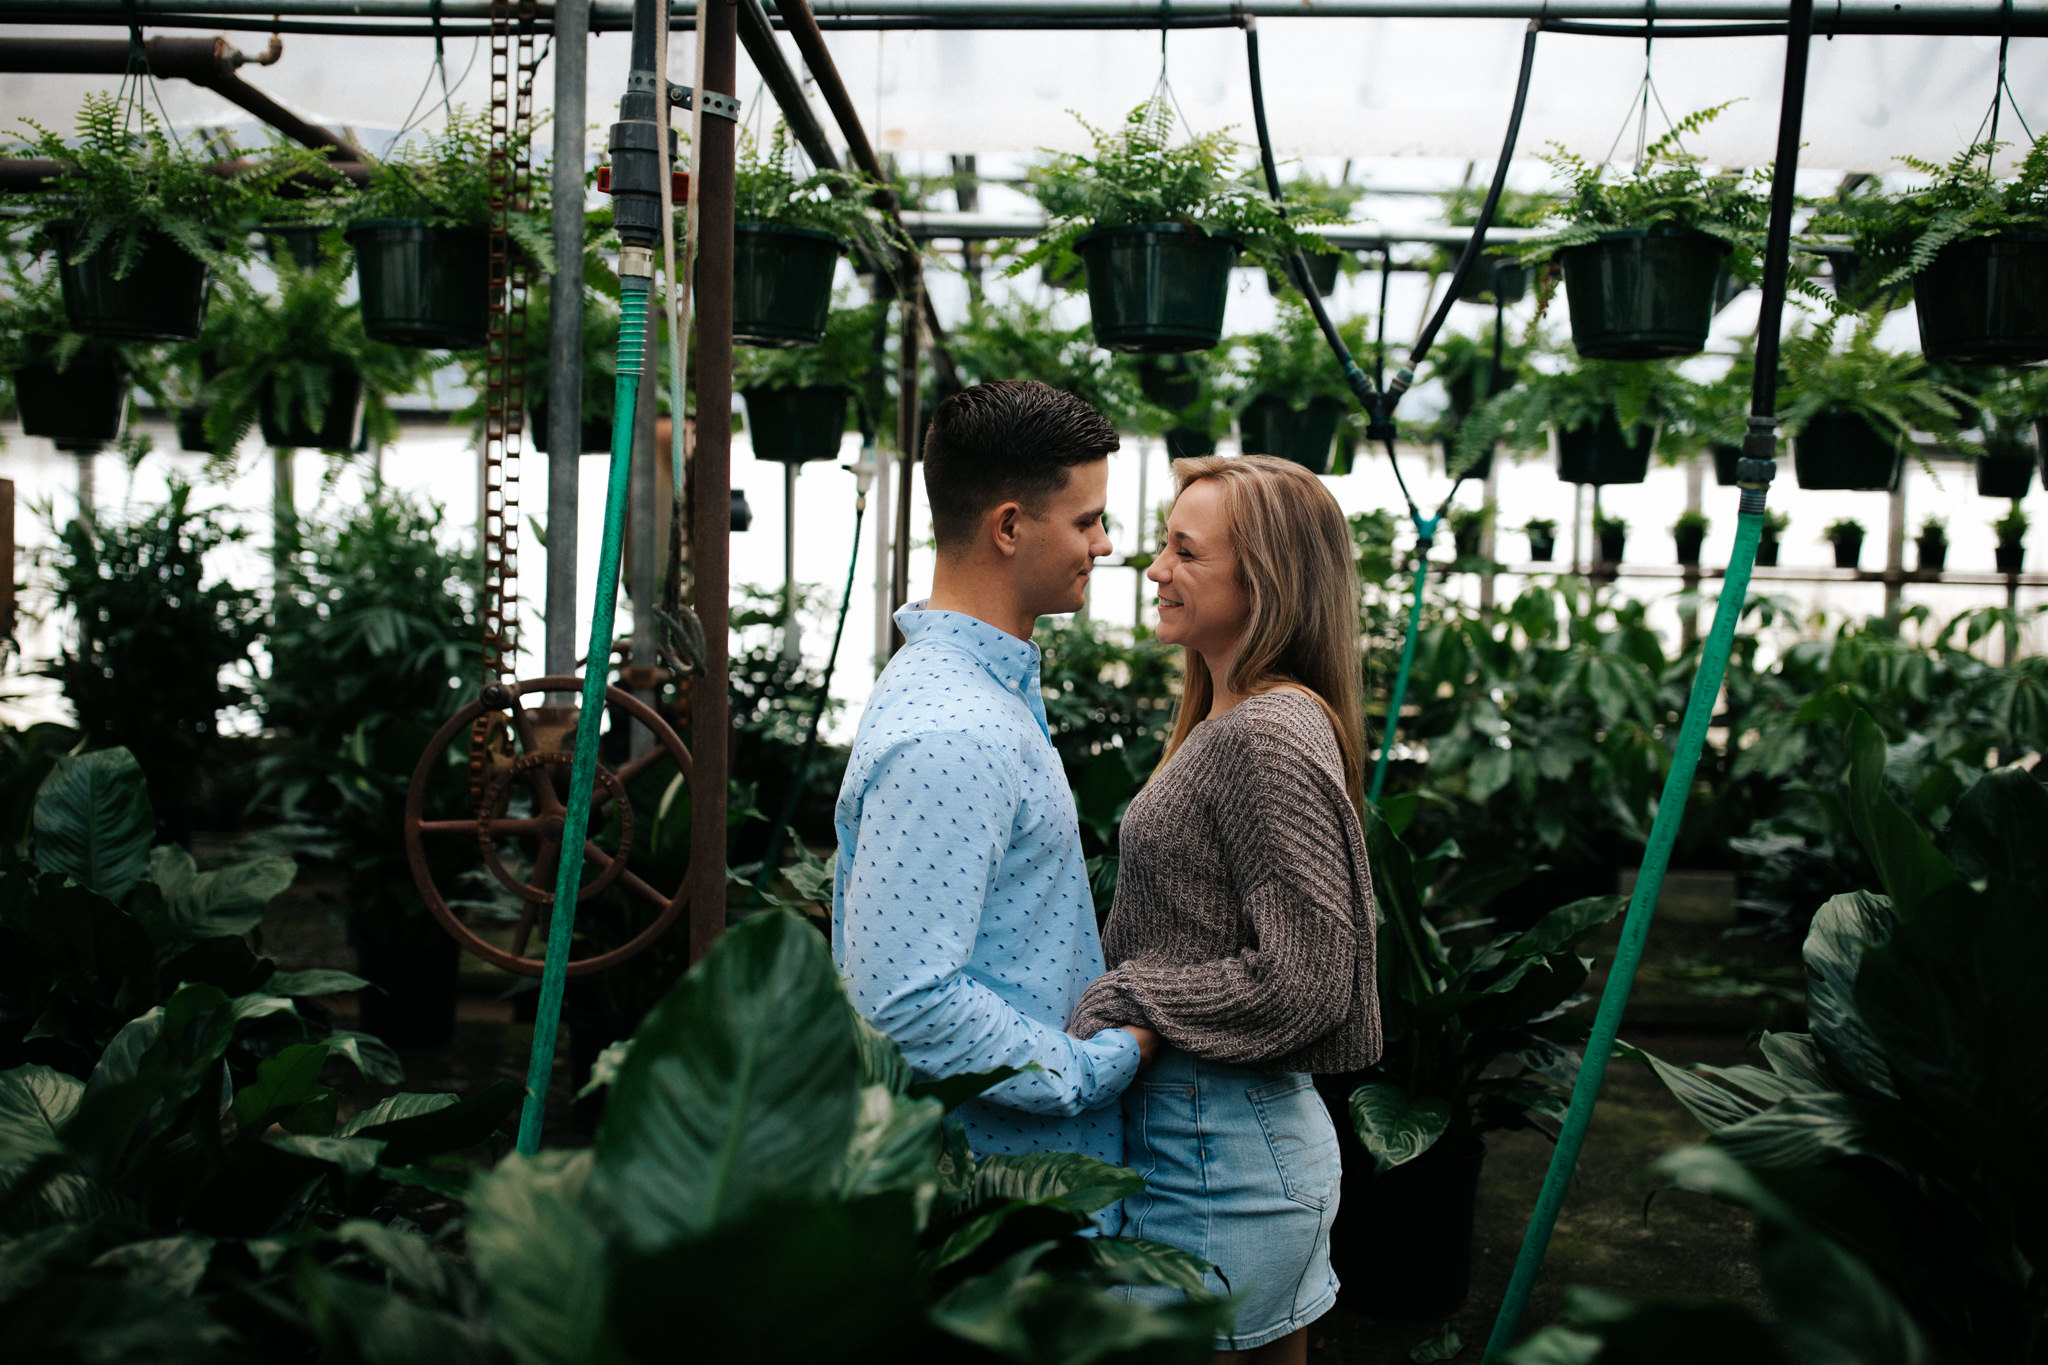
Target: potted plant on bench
(2012,533)
(1159,226)
(1775,525)
(1933,545)
(1542,533)
(1641,255)
(1846,535)
(1612,534)
(1690,533)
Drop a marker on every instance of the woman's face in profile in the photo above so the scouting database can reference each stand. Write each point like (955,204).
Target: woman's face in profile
(1201,603)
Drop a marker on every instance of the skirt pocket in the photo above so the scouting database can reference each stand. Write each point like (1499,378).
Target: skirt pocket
(1302,1138)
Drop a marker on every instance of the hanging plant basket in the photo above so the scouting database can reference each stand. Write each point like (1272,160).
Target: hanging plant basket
(781,284)
(86,402)
(1478,471)
(1840,451)
(2006,474)
(284,422)
(300,243)
(1269,426)
(1726,458)
(1322,272)
(423,286)
(1495,277)
(595,437)
(797,425)
(1170,381)
(1185,443)
(1985,301)
(1933,553)
(2009,558)
(162,298)
(1642,293)
(192,437)
(1157,286)
(1602,453)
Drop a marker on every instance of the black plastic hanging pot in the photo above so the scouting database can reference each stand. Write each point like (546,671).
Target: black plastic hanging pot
(300,243)
(287,427)
(1185,443)
(1933,553)
(797,425)
(1478,470)
(1848,549)
(1170,381)
(1600,452)
(2005,474)
(1495,277)
(1322,272)
(423,286)
(192,437)
(1841,451)
(161,298)
(594,437)
(1985,301)
(781,284)
(1642,293)
(85,402)
(1157,286)
(1725,460)
(2009,558)
(1270,426)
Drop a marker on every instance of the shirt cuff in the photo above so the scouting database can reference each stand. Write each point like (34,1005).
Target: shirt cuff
(1114,1055)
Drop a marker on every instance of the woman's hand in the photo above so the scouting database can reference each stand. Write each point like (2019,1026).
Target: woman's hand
(1148,1043)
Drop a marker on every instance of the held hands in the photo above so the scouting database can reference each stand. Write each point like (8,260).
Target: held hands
(1148,1043)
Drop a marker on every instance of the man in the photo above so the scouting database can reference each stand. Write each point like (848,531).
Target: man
(961,918)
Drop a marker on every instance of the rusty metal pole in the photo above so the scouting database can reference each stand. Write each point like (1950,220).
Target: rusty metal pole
(711,478)
(912,287)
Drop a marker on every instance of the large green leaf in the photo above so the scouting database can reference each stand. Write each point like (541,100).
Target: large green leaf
(1805,1130)
(1565,926)
(229,900)
(416,1127)
(881,1061)
(2000,830)
(1397,1127)
(743,1083)
(540,1250)
(284,1085)
(35,1103)
(1133,1260)
(895,1145)
(151,1070)
(1843,930)
(1061,1180)
(371,1056)
(1907,861)
(1020,1312)
(93,822)
(1612,1330)
(1713,1106)
(313,981)
(365,1322)
(176,1264)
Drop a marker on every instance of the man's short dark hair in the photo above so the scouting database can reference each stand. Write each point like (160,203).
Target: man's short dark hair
(1006,440)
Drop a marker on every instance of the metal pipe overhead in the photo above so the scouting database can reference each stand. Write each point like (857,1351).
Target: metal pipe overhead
(209,63)
(2025,18)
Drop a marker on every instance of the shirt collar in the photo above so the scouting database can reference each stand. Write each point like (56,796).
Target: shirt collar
(1010,661)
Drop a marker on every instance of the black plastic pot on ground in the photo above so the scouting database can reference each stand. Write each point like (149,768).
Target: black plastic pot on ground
(594,435)
(1767,552)
(1933,552)
(85,402)
(781,284)
(1612,544)
(2009,558)
(423,286)
(1725,459)
(1157,286)
(1848,549)
(1642,293)
(413,966)
(1322,272)
(1185,443)
(285,424)
(1985,301)
(1689,543)
(1402,1242)
(1542,548)
(161,298)
(1495,276)
(1841,451)
(1269,426)
(797,425)
(2005,474)
(1602,453)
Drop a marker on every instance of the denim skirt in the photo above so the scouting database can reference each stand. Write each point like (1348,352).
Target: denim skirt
(1241,1169)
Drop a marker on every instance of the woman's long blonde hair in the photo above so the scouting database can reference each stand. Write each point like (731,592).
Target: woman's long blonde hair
(1297,565)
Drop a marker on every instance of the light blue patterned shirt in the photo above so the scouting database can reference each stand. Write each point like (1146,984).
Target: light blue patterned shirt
(961,918)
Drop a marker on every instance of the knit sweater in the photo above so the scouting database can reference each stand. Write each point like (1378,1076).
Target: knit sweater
(1242,929)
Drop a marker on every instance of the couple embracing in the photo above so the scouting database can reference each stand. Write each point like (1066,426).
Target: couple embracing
(1240,945)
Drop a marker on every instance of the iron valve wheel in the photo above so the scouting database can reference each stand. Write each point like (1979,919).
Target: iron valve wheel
(510,751)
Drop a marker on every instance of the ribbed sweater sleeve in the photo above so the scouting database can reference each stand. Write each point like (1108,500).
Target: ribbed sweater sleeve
(1274,813)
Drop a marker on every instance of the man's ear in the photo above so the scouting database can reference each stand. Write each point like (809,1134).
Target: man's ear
(1003,526)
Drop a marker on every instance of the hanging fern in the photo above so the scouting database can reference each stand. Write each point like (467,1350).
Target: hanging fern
(1139,174)
(1636,393)
(444,180)
(1903,234)
(768,189)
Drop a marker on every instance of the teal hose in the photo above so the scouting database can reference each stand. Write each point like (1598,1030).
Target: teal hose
(596,669)
(1699,710)
(1426,528)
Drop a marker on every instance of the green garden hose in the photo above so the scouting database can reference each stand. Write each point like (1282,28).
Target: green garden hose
(583,772)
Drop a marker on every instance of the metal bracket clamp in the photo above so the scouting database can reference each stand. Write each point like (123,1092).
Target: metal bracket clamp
(715,104)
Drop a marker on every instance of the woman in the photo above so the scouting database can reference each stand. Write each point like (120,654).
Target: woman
(1242,931)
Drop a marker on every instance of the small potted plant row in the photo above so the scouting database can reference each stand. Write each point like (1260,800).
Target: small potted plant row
(1542,534)
(1612,535)
(1689,533)
(1642,257)
(1932,543)
(1775,524)
(1159,224)
(1846,536)
(2012,533)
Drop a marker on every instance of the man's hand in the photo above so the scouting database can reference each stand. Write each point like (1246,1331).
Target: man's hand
(1148,1043)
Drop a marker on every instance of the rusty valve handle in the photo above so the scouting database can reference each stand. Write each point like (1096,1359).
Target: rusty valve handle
(535,767)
